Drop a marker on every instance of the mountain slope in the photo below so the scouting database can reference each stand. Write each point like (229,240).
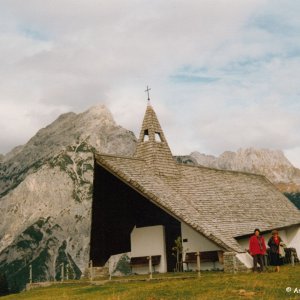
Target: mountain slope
(49,181)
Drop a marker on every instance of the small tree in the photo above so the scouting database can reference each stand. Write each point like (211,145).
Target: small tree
(178,253)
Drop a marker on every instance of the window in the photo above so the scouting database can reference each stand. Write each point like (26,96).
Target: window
(146,136)
(158,137)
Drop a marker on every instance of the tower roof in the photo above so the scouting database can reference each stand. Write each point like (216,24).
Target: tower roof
(153,147)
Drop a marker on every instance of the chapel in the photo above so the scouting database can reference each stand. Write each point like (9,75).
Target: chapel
(143,204)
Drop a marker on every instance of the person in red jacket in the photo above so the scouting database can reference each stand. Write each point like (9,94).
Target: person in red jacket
(257,248)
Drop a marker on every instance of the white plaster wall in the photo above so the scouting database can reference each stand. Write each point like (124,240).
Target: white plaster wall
(246,259)
(282,233)
(197,242)
(244,243)
(146,241)
(293,238)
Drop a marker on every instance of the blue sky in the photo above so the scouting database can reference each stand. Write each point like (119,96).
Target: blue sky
(224,74)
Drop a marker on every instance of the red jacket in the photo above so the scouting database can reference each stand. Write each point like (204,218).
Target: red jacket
(255,247)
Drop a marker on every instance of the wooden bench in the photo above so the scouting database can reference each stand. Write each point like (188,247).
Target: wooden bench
(144,260)
(205,256)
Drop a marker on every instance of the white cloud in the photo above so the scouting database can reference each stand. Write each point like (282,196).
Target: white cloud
(293,156)
(222,77)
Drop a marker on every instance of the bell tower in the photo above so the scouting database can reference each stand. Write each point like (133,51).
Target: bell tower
(152,145)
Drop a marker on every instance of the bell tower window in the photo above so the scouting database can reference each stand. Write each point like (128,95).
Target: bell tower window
(158,137)
(146,136)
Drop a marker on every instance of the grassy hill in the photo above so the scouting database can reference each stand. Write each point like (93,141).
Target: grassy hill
(211,285)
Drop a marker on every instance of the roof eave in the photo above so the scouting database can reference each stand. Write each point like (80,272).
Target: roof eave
(267,230)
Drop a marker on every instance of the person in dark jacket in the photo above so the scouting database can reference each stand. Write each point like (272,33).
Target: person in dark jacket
(257,248)
(274,243)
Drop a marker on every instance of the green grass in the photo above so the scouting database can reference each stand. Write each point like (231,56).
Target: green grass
(211,285)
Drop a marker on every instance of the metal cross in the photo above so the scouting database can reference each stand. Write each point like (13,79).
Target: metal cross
(147,90)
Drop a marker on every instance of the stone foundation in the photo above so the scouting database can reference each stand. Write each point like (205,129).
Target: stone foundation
(232,264)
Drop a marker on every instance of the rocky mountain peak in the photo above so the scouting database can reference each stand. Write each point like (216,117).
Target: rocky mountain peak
(99,112)
(264,157)
(203,159)
(94,126)
(271,163)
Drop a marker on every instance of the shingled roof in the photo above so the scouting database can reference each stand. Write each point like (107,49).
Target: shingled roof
(219,204)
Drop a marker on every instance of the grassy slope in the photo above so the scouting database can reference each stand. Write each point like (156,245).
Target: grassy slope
(210,286)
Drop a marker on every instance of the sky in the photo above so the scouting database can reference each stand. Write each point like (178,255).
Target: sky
(224,74)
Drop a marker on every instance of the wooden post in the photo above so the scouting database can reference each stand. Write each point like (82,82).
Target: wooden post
(30,273)
(150,267)
(62,272)
(91,270)
(67,271)
(198,263)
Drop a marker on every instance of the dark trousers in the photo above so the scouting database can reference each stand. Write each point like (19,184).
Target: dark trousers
(258,258)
